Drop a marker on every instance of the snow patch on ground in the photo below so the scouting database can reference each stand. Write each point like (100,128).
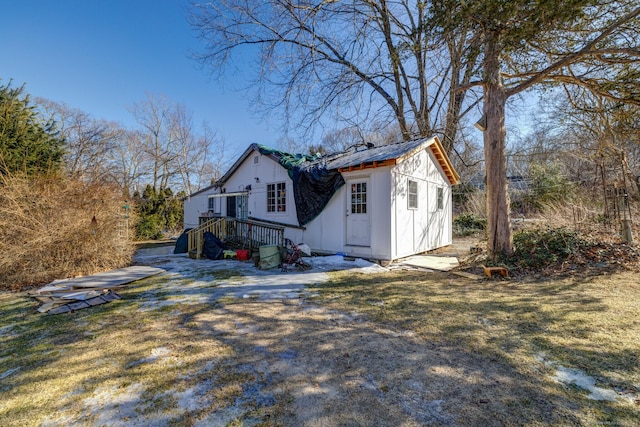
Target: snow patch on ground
(337,262)
(200,286)
(584,381)
(114,406)
(189,281)
(578,378)
(157,354)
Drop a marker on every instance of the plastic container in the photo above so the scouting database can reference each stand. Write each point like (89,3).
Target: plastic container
(242,254)
(269,257)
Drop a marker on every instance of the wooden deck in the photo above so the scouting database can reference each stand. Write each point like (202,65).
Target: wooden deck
(237,233)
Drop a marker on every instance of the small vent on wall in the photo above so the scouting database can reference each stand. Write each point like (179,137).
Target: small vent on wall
(256,160)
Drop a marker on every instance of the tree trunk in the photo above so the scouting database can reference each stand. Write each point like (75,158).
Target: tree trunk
(498,215)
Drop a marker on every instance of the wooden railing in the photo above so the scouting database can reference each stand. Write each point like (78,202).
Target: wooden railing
(242,234)
(217,226)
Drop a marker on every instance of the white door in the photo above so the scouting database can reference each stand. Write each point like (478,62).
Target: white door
(358,213)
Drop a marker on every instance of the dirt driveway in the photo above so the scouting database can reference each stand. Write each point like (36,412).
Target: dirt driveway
(310,366)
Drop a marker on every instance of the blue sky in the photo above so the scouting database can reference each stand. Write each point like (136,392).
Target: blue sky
(102,56)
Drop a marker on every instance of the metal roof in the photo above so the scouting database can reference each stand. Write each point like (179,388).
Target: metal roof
(362,154)
(397,152)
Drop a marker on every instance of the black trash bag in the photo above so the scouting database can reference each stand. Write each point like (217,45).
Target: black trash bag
(209,235)
(213,248)
(182,244)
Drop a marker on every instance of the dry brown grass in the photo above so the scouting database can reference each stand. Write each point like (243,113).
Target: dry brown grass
(471,346)
(583,213)
(589,323)
(46,230)
(477,204)
(73,367)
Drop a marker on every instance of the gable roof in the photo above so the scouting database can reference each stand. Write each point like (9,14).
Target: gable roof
(386,155)
(232,169)
(354,158)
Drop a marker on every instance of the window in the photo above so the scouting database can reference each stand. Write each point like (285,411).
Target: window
(242,206)
(359,198)
(440,198)
(214,205)
(277,197)
(412,195)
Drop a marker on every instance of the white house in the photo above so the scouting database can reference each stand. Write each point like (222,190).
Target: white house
(379,203)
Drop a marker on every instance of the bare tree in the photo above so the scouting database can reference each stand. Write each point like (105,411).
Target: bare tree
(595,129)
(193,152)
(129,164)
(212,161)
(153,116)
(341,139)
(177,153)
(88,140)
(363,61)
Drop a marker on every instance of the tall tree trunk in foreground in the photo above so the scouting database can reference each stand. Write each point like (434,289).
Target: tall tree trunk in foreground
(495,135)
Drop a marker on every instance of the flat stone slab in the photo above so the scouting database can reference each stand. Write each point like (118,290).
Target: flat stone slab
(106,280)
(440,263)
(66,295)
(467,275)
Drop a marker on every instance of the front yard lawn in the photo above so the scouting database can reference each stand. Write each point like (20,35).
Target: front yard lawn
(183,358)
(589,324)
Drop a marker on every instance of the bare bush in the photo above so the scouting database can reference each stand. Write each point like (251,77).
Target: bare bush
(476,203)
(48,231)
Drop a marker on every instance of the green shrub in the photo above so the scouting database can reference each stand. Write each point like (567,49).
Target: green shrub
(536,249)
(468,223)
(159,211)
(149,228)
(548,185)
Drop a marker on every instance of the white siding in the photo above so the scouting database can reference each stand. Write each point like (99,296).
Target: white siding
(425,228)
(268,171)
(196,206)
(327,233)
(396,231)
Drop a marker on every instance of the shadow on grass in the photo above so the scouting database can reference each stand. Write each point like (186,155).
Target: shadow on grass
(509,323)
(370,350)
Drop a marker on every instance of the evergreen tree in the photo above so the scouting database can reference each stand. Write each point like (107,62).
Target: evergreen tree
(160,211)
(28,143)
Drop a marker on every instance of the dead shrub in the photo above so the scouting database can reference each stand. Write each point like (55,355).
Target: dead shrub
(47,232)
(476,203)
(586,215)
